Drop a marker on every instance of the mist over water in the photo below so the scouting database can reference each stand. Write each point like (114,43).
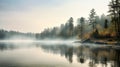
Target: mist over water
(52,53)
(18,51)
(23,39)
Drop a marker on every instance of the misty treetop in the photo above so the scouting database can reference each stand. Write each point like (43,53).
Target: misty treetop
(84,28)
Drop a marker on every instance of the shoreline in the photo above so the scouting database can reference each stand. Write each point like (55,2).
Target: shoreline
(99,42)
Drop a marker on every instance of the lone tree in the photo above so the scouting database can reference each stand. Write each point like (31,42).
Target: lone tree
(115,15)
(92,17)
(106,24)
(71,26)
(82,21)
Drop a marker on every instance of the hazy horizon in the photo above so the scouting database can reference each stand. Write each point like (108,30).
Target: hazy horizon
(35,15)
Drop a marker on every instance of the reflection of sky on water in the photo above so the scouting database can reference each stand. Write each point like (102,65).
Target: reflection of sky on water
(57,55)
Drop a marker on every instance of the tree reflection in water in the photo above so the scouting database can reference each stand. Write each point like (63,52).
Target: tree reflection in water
(80,54)
(69,54)
(102,55)
(96,55)
(6,46)
(63,50)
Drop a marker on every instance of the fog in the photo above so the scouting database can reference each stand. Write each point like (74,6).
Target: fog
(20,51)
(29,42)
(22,39)
(46,53)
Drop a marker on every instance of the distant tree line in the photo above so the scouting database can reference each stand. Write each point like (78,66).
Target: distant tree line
(12,34)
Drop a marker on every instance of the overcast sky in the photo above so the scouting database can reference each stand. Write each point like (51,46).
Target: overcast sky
(35,15)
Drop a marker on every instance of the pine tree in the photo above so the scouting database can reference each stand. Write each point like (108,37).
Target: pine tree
(92,20)
(106,24)
(71,26)
(115,15)
(82,21)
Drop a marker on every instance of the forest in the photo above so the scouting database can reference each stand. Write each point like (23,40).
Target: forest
(97,29)
(83,29)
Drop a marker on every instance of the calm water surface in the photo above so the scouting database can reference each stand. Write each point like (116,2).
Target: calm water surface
(58,54)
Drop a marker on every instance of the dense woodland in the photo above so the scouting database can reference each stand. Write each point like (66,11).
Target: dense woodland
(83,29)
(100,28)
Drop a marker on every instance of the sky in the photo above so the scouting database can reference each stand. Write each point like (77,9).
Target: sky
(36,15)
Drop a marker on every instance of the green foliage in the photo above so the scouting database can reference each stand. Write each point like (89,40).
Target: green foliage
(92,18)
(106,24)
(82,22)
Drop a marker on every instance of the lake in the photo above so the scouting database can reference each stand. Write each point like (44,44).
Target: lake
(57,54)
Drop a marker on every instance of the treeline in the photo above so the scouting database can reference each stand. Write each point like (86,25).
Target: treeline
(92,27)
(15,34)
(105,28)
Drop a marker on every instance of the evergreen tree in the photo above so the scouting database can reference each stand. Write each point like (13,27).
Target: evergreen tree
(92,17)
(71,26)
(115,14)
(82,21)
(106,24)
